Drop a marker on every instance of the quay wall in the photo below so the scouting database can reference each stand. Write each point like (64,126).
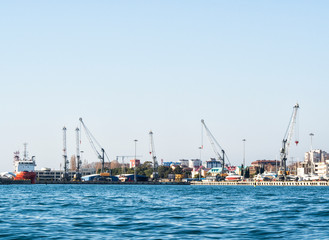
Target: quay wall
(114,183)
(274,183)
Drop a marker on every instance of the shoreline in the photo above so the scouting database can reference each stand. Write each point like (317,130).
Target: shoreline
(195,183)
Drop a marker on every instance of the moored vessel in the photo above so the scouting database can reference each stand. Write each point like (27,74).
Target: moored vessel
(24,168)
(233,177)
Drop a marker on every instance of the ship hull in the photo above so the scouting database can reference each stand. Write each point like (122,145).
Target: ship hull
(26,176)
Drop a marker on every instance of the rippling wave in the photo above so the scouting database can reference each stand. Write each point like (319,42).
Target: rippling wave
(163,212)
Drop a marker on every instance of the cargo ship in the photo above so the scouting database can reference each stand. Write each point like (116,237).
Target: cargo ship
(24,168)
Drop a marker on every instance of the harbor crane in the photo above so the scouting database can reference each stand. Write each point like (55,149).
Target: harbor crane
(216,147)
(154,158)
(282,174)
(92,139)
(66,162)
(77,176)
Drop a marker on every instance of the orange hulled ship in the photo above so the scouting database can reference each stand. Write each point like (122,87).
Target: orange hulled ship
(24,168)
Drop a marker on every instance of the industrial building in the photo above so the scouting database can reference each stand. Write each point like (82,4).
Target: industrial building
(46,174)
(135,163)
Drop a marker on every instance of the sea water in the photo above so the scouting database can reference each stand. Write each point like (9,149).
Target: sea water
(163,212)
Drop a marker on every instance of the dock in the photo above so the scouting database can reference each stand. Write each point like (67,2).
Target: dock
(113,183)
(273,183)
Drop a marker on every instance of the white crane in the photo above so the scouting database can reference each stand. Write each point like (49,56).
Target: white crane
(78,174)
(65,174)
(286,143)
(216,147)
(154,158)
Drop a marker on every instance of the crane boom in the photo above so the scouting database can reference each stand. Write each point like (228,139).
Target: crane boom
(92,139)
(286,143)
(215,145)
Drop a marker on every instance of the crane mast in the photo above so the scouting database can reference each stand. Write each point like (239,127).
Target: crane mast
(65,174)
(78,174)
(92,139)
(214,143)
(282,174)
(154,158)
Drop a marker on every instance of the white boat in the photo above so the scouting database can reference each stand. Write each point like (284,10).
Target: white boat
(315,178)
(269,176)
(233,177)
(258,177)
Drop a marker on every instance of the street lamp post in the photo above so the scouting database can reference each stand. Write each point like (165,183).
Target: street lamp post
(311,135)
(244,157)
(312,156)
(135,173)
(200,148)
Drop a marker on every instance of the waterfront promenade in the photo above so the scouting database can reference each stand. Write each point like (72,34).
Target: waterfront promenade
(273,183)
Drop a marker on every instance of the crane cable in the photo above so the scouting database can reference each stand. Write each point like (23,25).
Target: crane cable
(215,141)
(90,138)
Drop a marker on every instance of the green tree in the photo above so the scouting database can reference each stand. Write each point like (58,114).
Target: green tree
(178,170)
(148,172)
(247,174)
(162,170)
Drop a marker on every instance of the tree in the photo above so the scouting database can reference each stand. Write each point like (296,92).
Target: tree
(247,174)
(178,170)
(162,170)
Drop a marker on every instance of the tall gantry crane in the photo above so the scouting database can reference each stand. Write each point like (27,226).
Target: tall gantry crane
(216,147)
(66,162)
(154,158)
(92,139)
(282,174)
(78,173)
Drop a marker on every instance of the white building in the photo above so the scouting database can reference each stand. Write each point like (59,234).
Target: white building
(195,163)
(184,162)
(300,171)
(316,162)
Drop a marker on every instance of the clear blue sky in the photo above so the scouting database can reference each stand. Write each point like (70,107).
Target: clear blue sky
(127,67)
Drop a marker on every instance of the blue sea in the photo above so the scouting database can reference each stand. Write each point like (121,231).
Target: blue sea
(163,212)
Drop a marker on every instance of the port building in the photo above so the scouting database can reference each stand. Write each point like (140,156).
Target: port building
(213,163)
(135,162)
(46,174)
(195,163)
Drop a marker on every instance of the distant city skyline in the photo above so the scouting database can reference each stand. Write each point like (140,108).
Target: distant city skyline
(130,67)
